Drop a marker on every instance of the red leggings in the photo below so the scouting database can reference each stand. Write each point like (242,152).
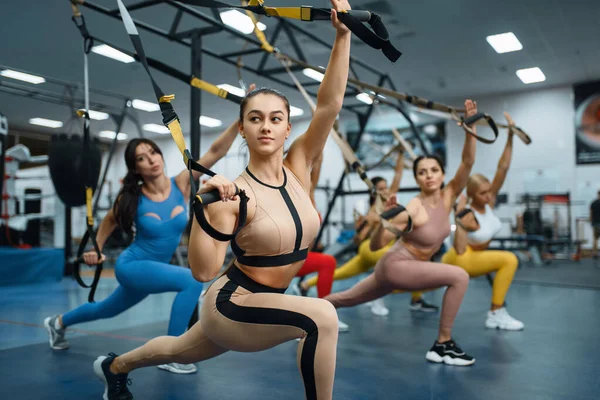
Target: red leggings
(324,265)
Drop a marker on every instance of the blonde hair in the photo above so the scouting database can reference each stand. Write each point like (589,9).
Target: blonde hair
(473,184)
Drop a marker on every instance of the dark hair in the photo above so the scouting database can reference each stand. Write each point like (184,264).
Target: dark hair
(431,157)
(374,180)
(263,90)
(125,207)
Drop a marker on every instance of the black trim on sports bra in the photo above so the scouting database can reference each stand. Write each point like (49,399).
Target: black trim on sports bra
(282,259)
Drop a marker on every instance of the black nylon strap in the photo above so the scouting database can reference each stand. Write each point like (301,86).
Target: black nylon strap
(88,42)
(378,38)
(86,170)
(474,118)
(463,212)
(458,216)
(389,214)
(169,115)
(215,234)
(89,235)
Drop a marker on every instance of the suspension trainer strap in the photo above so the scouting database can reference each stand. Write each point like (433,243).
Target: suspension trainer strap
(388,215)
(171,120)
(376,36)
(460,215)
(86,167)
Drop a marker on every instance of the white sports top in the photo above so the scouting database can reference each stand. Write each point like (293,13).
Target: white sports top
(489,226)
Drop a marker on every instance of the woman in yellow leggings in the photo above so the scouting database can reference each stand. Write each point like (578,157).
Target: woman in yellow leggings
(474,231)
(366,259)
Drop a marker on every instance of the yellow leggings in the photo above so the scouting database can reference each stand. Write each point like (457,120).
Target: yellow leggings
(363,262)
(482,262)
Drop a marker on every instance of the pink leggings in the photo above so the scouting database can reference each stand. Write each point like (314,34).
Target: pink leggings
(399,269)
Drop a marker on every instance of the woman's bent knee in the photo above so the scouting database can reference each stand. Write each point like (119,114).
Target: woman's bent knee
(512,260)
(461,277)
(325,316)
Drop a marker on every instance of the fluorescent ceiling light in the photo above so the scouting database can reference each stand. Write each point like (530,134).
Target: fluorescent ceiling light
(156,128)
(210,122)
(232,89)
(504,42)
(145,105)
(111,135)
(430,129)
(240,21)
(365,98)
(9,73)
(97,115)
(531,75)
(107,51)
(311,73)
(295,111)
(49,123)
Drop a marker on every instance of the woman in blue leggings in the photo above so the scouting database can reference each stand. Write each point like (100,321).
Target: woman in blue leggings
(156,206)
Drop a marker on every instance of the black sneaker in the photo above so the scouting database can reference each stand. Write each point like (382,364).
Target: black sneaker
(449,353)
(421,305)
(115,385)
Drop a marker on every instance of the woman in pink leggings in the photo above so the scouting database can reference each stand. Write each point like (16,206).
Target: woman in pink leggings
(406,265)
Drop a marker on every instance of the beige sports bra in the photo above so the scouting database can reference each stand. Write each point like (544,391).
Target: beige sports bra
(284,225)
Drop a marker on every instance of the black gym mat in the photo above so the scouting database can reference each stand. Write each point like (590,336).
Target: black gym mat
(584,274)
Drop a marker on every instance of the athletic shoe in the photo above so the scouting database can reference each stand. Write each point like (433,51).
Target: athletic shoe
(56,334)
(115,385)
(342,327)
(501,319)
(421,305)
(177,368)
(448,353)
(379,308)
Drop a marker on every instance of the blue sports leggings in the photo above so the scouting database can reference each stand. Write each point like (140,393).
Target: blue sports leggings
(137,279)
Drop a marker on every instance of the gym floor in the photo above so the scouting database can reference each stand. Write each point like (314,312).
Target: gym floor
(555,357)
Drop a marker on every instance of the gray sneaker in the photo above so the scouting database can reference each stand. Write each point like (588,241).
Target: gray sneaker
(179,368)
(56,336)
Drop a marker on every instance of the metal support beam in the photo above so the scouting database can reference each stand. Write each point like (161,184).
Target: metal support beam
(196,96)
(273,41)
(293,41)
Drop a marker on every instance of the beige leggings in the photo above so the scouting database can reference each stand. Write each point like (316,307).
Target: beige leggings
(240,314)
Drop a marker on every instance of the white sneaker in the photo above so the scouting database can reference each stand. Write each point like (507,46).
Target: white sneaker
(342,327)
(179,368)
(379,308)
(56,336)
(501,319)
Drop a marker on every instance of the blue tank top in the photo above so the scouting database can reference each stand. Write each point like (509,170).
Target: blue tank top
(157,239)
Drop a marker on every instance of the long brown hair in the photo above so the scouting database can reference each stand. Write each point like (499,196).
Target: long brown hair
(125,207)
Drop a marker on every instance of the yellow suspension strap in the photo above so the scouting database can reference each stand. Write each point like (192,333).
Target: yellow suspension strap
(86,167)
(377,36)
(171,121)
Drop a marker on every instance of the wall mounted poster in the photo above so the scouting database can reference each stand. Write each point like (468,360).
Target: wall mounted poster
(587,122)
